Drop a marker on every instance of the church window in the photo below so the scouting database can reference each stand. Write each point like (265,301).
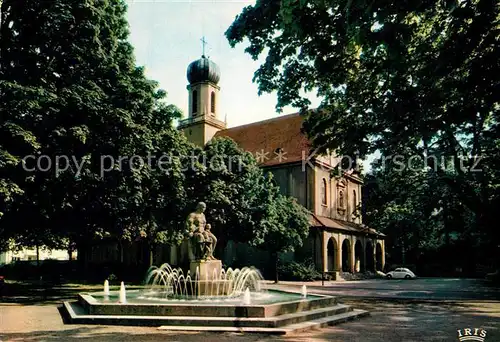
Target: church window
(323,192)
(341,199)
(194,101)
(354,201)
(212,102)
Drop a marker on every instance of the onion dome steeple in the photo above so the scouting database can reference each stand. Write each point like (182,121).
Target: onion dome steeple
(203,70)
(203,119)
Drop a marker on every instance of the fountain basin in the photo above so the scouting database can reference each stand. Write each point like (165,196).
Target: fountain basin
(269,304)
(208,298)
(278,312)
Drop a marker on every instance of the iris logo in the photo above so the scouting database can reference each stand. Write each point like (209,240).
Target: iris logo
(471,334)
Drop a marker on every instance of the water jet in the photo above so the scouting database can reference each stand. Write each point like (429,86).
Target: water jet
(122,296)
(246,297)
(106,287)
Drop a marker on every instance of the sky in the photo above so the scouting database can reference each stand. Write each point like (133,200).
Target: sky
(167,36)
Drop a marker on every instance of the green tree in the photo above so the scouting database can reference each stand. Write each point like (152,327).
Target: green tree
(15,142)
(244,204)
(98,108)
(17,101)
(284,225)
(231,183)
(418,74)
(426,223)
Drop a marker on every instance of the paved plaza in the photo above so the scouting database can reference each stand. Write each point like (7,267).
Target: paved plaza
(426,289)
(391,320)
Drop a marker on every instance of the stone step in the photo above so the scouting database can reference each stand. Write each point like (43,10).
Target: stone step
(302,316)
(286,330)
(326,321)
(77,314)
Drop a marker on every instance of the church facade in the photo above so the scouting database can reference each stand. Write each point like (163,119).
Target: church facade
(338,239)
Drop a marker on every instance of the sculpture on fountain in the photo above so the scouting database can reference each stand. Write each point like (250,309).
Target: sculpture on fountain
(209,243)
(201,244)
(201,240)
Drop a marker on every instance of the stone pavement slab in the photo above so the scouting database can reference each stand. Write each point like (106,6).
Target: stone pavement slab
(433,289)
(392,322)
(389,321)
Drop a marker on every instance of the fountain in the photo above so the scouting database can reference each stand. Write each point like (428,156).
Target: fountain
(106,287)
(246,297)
(123,297)
(208,297)
(168,282)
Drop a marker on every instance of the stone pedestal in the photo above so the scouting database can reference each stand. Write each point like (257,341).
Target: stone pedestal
(208,283)
(208,269)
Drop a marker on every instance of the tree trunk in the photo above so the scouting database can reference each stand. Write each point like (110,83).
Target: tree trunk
(37,256)
(82,258)
(221,247)
(275,258)
(71,250)
(120,246)
(403,258)
(151,254)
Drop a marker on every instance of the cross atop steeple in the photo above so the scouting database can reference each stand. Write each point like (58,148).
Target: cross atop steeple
(203,42)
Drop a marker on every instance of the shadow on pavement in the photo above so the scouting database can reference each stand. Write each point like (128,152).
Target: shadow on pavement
(102,333)
(388,322)
(411,322)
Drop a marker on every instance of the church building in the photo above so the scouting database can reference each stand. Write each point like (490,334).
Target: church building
(338,240)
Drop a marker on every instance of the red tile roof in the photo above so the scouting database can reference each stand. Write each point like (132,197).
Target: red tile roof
(265,138)
(322,221)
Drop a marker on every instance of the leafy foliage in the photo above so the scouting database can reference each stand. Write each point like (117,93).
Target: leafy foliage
(303,271)
(72,94)
(284,227)
(286,224)
(229,181)
(402,78)
(83,97)
(244,205)
(425,222)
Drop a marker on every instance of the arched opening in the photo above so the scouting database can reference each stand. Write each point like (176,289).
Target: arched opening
(324,199)
(370,261)
(346,256)
(358,257)
(378,256)
(332,255)
(194,101)
(212,102)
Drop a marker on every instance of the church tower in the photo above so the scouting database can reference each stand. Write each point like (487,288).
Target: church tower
(203,120)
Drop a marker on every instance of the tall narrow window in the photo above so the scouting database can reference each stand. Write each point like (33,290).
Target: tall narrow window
(354,202)
(212,102)
(341,199)
(323,192)
(194,101)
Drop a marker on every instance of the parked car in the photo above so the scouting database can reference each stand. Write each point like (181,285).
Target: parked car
(401,273)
